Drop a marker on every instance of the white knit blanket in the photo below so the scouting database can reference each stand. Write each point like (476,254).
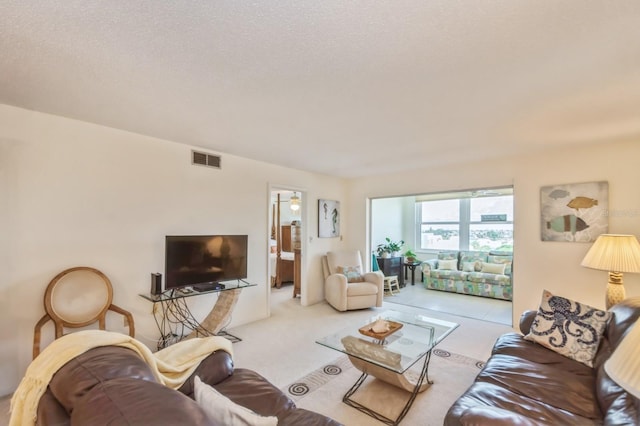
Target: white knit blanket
(171,366)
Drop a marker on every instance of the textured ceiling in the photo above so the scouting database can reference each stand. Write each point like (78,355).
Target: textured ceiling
(346,88)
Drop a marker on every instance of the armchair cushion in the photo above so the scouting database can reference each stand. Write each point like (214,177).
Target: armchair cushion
(353,273)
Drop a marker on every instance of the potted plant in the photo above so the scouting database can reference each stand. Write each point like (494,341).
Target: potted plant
(389,247)
(410,256)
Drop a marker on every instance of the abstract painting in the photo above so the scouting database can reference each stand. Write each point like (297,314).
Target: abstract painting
(574,212)
(328,218)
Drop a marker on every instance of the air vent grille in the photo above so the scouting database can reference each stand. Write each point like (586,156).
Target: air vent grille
(204,159)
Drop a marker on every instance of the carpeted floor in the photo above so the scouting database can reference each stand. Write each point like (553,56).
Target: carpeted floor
(322,391)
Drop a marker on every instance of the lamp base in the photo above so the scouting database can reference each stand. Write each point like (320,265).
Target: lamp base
(615,289)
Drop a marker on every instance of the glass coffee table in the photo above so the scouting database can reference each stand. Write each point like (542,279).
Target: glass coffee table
(389,355)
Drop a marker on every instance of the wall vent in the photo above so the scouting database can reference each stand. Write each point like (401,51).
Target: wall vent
(204,159)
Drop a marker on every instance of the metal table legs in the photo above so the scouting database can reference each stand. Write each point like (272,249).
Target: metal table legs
(400,380)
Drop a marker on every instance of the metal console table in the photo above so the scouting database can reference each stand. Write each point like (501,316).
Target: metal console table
(176,322)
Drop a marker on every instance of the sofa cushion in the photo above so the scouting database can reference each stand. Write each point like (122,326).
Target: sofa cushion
(50,412)
(472,266)
(618,406)
(222,410)
(492,268)
(251,390)
(506,260)
(484,402)
(449,274)
(213,369)
(569,328)
(97,365)
(473,256)
(487,278)
(127,401)
(542,379)
(448,255)
(448,264)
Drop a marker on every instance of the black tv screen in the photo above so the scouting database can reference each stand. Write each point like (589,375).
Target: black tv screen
(192,260)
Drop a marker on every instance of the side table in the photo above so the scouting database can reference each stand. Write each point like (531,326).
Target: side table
(412,267)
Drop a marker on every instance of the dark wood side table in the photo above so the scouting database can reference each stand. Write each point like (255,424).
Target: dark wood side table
(392,266)
(412,267)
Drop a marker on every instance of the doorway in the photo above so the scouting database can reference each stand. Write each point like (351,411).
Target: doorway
(285,244)
(464,222)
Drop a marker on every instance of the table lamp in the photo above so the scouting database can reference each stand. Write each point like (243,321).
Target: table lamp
(623,366)
(617,254)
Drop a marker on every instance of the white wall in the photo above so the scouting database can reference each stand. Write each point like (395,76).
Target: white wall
(74,193)
(387,220)
(393,218)
(537,265)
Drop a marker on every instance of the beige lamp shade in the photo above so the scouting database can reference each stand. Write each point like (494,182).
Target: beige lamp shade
(614,252)
(623,366)
(617,254)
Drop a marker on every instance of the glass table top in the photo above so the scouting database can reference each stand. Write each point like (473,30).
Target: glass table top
(398,351)
(179,293)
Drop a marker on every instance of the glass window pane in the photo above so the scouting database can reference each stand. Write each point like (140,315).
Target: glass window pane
(441,211)
(491,236)
(492,206)
(439,237)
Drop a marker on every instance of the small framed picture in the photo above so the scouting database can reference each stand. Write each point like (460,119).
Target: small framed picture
(328,218)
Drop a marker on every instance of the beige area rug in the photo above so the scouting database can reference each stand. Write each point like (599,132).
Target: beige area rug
(322,391)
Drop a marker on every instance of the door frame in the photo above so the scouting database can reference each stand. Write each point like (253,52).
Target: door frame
(274,188)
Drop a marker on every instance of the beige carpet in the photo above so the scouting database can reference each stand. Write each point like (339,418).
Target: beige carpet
(322,391)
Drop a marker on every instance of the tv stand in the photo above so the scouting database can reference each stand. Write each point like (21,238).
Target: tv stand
(176,322)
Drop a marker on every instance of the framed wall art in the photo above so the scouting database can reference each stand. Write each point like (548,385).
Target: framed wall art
(574,212)
(328,218)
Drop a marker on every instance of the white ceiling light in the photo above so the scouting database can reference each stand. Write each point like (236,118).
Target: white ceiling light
(294,202)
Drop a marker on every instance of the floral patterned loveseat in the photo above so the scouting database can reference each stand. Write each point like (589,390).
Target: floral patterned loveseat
(487,274)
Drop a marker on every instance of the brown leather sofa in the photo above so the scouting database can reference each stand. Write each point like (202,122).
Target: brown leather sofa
(113,385)
(524,383)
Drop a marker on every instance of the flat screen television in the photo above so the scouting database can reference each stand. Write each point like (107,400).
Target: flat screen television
(204,260)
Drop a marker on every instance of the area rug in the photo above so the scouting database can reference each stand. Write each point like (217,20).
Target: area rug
(322,390)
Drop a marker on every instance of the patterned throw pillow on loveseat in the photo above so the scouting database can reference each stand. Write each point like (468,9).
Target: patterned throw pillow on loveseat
(569,328)
(506,260)
(471,261)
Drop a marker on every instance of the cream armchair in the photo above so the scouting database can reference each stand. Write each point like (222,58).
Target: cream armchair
(343,295)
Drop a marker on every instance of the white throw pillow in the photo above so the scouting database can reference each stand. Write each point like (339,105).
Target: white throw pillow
(221,410)
(450,264)
(493,268)
(471,266)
